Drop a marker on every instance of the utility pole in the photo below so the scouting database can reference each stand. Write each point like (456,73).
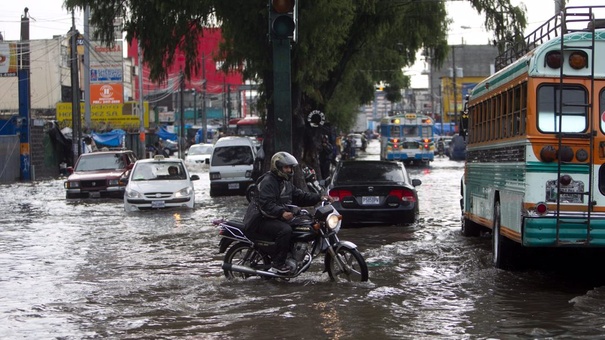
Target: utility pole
(181,134)
(75,93)
(455,87)
(87,68)
(24,99)
(204,119)
(141,103)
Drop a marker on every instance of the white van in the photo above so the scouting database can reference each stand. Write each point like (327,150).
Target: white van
(231,166)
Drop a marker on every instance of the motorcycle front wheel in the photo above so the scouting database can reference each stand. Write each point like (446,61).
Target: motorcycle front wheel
(244,255)
(348,265)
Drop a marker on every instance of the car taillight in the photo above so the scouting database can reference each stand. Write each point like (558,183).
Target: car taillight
(403,194)
(339,194)
(215,175)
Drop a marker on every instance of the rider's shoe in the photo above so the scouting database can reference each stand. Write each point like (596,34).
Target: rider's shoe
(281,268)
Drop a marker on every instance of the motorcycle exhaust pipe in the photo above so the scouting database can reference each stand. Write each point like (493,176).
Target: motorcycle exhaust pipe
(248,270)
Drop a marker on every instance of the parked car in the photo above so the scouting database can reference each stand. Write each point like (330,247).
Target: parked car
(457,149)
(199,154)
(231,166)
(372,192)
(158,183)
(98,174)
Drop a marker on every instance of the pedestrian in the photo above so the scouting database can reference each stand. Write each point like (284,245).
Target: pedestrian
(325,157)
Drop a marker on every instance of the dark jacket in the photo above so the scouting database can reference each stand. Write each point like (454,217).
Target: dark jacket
(273,195)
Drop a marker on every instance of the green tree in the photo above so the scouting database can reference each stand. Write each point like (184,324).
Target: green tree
(344,47)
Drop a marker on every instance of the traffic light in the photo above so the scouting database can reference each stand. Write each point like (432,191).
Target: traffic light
(282,19)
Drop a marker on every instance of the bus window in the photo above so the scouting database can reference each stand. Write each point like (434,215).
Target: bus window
(427,131)
(395,131)
(574,112)
(411,131)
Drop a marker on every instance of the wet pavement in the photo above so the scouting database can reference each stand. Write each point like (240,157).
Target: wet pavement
(85,269)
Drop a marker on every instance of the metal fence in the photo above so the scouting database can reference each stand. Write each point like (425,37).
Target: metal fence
(9,159)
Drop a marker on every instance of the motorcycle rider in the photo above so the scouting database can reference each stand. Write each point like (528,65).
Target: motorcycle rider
(268,214)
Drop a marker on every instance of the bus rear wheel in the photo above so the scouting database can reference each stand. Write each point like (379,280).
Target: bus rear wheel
(503,249)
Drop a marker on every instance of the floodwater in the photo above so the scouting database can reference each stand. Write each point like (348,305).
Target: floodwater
(88,270)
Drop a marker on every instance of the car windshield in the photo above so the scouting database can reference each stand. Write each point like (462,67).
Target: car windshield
(353,172)
(101,162)
(158,171)
(200,150)
(232,155)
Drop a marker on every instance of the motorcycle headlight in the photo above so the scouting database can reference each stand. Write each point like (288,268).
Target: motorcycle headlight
(333,221)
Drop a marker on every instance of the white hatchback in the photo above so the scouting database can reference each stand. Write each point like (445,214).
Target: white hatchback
(158,183)
(199,154)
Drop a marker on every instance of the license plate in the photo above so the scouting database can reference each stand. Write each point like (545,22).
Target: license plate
(233,186)
(94,194)
(370,200)
(158,204)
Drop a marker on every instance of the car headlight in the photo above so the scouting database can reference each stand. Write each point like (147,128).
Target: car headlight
(132,194)
(185,192)
(333,221)
(72,185)
(113,182)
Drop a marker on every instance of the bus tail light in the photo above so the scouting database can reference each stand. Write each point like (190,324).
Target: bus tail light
(578,60)
(541,208)
(565,180)
(553,59)
(548,153)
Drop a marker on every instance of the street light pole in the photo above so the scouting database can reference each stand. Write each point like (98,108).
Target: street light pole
(455,87)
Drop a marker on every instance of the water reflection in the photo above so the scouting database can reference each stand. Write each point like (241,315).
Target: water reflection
(86,269)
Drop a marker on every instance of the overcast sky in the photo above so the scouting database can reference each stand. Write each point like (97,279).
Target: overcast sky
(48,18)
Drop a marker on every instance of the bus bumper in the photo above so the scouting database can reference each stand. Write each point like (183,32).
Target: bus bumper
(573,232)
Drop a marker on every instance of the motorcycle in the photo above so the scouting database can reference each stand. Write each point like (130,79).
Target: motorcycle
(249,254)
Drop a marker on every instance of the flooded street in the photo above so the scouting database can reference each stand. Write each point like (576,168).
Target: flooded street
(88,270)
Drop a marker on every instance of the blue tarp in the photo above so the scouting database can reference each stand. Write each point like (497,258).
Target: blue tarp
(164,134)
(444,129)
(111,139)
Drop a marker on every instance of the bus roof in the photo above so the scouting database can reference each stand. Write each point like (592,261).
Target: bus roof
(533,63)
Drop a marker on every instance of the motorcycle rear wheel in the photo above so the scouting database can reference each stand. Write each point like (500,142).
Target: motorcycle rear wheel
(354,266)
(244,255)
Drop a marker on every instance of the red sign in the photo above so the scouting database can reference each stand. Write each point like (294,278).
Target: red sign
(106,93)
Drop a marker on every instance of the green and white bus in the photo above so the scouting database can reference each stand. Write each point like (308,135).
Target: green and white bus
(534,174)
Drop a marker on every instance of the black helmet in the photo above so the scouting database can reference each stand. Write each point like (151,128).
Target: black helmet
(281,159)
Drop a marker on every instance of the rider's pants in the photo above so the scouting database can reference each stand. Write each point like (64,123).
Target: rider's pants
(281,232)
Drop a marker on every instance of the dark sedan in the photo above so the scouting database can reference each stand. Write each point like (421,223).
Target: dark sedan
(374,193)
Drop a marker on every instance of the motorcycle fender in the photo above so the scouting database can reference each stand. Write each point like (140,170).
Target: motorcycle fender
(337,246)
(345,244)
(224,244)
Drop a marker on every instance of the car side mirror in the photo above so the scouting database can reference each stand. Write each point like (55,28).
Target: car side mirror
(416,182)
(130,166)
(194,177)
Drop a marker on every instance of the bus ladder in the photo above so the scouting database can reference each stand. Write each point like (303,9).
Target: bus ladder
(575,16)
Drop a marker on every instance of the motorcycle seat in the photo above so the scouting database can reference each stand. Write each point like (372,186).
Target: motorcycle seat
(238,224)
